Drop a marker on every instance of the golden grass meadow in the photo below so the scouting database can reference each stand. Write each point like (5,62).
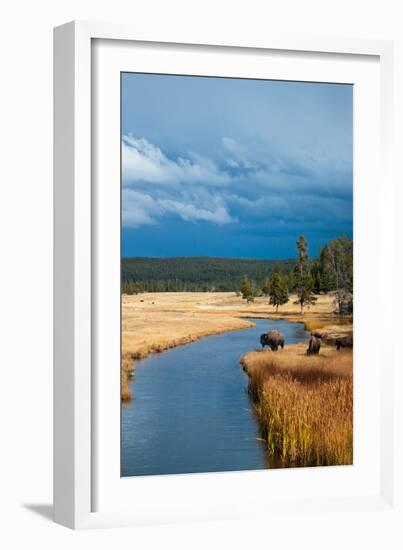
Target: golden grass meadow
(154,322)
(304,404)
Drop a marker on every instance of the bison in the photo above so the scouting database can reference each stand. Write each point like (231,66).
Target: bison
(314,345)
(273,339)
(316,334)
(344,342)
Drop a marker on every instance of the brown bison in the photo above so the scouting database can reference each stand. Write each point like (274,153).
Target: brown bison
(344,342)
(314,345)
(273,339)
(316,334)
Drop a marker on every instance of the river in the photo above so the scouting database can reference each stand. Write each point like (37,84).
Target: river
(191,410)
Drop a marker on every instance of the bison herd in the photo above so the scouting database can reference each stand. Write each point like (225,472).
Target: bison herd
(275,339)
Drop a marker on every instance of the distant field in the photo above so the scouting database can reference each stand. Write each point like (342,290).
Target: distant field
(153,322)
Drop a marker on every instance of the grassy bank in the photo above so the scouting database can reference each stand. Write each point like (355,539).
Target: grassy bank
(126,372)
(154,322)
(304,404)
(174,335)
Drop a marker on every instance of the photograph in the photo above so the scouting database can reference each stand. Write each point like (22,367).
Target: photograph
(236,274)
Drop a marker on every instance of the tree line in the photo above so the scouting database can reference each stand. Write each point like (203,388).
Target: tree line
(194,274)
(332,272)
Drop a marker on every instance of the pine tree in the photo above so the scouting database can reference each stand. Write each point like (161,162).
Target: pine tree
(316,278)
(326,279)
(338,269)
(278,290)
(303,277)
(246,290)
(290,280)
(266,287)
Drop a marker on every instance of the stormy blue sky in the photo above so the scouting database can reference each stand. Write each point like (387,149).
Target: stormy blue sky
(233,167)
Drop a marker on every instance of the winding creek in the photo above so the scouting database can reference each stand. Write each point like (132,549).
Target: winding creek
(191,412)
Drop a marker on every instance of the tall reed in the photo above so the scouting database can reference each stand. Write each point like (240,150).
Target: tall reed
(126,372)
(304,405)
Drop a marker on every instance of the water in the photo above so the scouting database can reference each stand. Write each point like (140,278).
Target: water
(191,411)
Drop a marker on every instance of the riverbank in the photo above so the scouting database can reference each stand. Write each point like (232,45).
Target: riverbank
(154,322)
(191,411)
(304,404)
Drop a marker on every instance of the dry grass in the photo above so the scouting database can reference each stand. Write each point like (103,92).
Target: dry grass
(314,324)
(126,372)
(154,322)
(304,404)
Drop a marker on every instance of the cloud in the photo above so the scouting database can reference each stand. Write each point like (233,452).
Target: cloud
(142,209)
(144,162)
(182,188)
(257,186)
(297,170)
(240,156)
(138,209)
(250,159)
(189,212)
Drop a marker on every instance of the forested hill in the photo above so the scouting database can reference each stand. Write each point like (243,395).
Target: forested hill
(194,274)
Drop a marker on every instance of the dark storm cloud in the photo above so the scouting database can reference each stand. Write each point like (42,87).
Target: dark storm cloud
(265,159)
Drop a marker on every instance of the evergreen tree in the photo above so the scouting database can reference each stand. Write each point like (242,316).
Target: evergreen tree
(290,281)
(131,287)
(278,290)
(337,267)
(266,287)
(247,290)
(303,277)
(326,281)
(316,277)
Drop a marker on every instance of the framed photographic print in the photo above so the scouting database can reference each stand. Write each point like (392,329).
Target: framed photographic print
(217,238)
(220,229)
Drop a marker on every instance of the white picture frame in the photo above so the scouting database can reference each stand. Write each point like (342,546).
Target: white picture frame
(85,493)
